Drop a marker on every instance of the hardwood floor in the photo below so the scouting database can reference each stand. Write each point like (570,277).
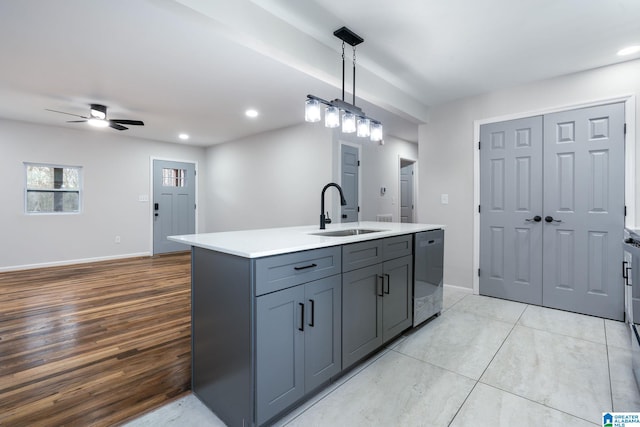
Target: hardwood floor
(94,344)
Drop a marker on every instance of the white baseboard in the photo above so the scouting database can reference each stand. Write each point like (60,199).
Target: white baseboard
(71,262)
(459,288)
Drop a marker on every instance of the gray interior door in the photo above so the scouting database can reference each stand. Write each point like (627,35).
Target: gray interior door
(552,210)
(406,193)
(510,200)
(349,182)
(174,203)
(584,199)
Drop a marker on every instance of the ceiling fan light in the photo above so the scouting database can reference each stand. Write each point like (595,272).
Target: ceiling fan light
(98,113)
(332,117)
(376,132)
(312,110)
(348,122)
(363,127)
(99,123)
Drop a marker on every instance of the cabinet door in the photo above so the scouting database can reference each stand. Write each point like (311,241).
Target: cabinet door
(361,313)
(279,351)
(396,300)
(322,341)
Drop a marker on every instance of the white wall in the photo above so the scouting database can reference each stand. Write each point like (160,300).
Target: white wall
(380,167)
(446,148)
(273,179)
(116,171)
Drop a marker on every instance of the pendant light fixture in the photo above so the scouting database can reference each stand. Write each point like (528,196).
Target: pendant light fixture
(353,118)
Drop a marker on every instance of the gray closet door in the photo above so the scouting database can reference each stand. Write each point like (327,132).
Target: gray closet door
(349,183)
(406,193)
(510,199)
(584,195)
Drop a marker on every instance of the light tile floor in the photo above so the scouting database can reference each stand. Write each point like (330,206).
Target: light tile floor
(483,362)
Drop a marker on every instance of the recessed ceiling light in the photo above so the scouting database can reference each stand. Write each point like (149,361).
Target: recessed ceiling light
(630,50)
(183,136)
(251,113)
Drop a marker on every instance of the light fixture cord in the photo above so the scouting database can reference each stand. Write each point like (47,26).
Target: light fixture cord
(354,76)
(343,70)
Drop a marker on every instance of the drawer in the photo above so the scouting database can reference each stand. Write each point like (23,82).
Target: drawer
(362,254)
(283,271)
(396,247)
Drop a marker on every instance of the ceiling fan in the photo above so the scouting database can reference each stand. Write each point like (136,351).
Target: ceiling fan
(98,117)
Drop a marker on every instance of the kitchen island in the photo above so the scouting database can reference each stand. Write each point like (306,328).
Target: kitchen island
(279,313)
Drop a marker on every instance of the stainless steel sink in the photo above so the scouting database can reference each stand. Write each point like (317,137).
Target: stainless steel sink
(346,232)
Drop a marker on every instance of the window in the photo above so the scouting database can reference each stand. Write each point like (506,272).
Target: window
(173,177)
(52,189)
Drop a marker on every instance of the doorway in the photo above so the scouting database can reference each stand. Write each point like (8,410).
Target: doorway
(349,177)
(407,190)
(552,210)
(174,206)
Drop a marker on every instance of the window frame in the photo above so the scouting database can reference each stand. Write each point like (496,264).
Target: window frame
(27,190)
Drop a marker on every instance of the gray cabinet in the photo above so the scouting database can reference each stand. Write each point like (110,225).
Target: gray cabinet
(376,298)
(267,332)
(361,313)
(396,300)
(280,351)
(297,343)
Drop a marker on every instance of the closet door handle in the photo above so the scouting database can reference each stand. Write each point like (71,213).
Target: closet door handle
(536,218)
(550,219)
(301,327)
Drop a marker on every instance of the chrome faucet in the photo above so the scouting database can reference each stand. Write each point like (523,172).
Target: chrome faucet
(326,220)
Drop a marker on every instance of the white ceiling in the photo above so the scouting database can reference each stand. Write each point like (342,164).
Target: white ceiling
(195,65)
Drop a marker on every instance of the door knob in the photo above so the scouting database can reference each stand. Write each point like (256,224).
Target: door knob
(550,219)
(536,218)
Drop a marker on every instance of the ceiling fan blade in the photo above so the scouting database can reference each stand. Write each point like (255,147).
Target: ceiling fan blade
(116,126)
(128,122)
(62,112)
(76,121)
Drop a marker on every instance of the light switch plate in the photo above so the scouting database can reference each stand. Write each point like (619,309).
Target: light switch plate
(444,199)
(143,198)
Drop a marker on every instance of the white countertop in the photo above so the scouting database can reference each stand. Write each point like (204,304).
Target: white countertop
(275,241)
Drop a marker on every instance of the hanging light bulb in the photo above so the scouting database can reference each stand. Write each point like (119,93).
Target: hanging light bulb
(376,132)
(332,117)
(312,110)
(363,127)
(348,122)
(354,120)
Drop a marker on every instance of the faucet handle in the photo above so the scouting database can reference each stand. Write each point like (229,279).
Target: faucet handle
(327,220)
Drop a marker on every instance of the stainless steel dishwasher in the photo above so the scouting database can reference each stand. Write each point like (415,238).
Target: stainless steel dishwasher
(631,275)
(427,280)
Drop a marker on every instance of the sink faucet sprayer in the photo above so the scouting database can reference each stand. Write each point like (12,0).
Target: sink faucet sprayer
(325,220)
